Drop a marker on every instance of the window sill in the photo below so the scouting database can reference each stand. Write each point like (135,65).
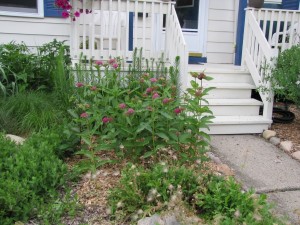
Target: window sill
(22,14)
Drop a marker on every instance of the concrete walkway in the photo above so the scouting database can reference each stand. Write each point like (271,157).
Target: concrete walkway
(260,165)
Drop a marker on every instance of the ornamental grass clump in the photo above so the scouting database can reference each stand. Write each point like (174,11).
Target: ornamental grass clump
(140,111)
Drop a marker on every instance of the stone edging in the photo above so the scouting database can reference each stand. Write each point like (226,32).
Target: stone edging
(286,146)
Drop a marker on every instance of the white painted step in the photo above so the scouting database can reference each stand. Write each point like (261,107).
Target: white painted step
(238,125)
(226,76)
(229,90)
(234,107)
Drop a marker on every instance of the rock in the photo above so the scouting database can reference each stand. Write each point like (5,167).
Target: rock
(286,146)
(18,140)
(275,140)
(214,158)
(267,134)
(159,220)
(296,155)
(153,220)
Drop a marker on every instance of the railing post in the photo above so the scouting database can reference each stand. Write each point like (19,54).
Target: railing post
(245,40)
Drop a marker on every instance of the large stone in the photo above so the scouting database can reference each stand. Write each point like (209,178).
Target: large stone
(159,220)
(286,146)
(153,220)
(296,155)
(18,140)
(267,134)
(275,140)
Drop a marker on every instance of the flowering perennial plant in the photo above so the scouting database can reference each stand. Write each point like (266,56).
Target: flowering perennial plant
(68,10)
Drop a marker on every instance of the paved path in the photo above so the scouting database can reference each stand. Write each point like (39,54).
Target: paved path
(262,166)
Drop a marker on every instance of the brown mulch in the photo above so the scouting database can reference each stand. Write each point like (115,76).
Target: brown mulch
(291,131)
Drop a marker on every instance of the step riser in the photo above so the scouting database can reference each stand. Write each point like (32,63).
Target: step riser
(230,78)
(237,128)
(220,93)
(234,110)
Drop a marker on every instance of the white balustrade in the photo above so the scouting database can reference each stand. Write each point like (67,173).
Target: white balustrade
(267,32)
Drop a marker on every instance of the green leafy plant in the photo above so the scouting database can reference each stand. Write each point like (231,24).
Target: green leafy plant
(136,113)
(284,77)
(22,70)
(145,191)
(224,201)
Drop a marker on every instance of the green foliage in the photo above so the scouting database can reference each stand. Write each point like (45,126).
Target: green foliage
(27,112)
(21,70)
(224,201)
(284,77)
(144,191)
(29,176)
(137,114)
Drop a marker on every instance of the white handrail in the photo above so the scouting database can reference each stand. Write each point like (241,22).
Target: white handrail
(267,32)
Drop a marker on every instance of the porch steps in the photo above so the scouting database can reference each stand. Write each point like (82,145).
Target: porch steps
(231,103)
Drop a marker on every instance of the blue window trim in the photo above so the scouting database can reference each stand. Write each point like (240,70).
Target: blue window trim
(50,10)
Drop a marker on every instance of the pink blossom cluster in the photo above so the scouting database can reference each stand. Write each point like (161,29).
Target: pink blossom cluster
(67,9)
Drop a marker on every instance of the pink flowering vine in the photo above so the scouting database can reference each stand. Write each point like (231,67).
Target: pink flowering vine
(67,8)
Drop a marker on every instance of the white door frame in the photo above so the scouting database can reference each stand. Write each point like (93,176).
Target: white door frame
(196,38)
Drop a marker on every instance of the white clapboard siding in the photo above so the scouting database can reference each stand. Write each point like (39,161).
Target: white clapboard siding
(33,31)
(220,31)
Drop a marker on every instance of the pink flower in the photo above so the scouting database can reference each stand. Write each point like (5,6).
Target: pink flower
(77,14)
(107,119)
(93,88)
(112,61)
(148,90)
(84,115)
(122,106)
(155,95)
(79,84)
(153,80)
(178,110)
(130,111)
(115,65)
(99,63)
(65,14)
(81,10)
(166,100)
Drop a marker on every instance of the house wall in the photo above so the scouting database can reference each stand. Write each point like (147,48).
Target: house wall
(33,31)
(221,31)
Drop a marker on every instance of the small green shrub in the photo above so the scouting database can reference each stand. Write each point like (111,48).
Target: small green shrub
(224,200)
(284,76)
(22,70)
(144,191)
(29,176)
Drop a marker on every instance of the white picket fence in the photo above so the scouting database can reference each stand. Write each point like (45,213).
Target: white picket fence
(114,28)
(267,32)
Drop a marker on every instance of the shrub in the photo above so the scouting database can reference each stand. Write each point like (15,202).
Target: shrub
(22,70)
(144,191)
(29,176)
(284,76)
(224,200)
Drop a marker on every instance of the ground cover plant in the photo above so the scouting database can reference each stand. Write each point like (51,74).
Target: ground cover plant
(30,176)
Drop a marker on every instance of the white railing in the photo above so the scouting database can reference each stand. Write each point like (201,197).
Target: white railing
(114,28)
(267,32)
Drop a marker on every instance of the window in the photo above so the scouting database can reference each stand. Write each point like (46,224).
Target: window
(32,8)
